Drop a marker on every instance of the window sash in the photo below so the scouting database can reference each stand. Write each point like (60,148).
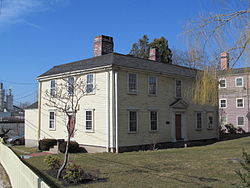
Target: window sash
(71,85)
(240,103)
(178,85)
(51,120)
(222,83)
(90,83)
(132,83)
(240,120)
(132,121)
(198,120)
(239,82)
(223,103)
(152,81)
(88,120)
(53,88)
(210,120)
(153,120)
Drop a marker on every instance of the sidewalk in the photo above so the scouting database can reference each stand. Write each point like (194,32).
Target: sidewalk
(4,179)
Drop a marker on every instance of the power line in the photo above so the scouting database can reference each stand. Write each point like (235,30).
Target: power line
(1,6)
(19,83)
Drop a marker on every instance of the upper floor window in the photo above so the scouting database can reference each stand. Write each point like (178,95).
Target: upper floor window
(223,103)
(240,103)
(198,120)
(210,120)
(52,120)
(239,82)
(53,88)
(240,120)
(71,81)
(89,120)
(153,115)
(132,121)
(132,83)
(90,83)
(222,83)
(178,85)
(152,82)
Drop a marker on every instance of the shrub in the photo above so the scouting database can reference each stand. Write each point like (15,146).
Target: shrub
(245,175)
(240,130)
(52,161)
(75,174)
(73,147)
(46,144)
(230,128)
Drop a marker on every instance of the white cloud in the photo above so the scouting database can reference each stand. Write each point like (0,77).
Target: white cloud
(15,11)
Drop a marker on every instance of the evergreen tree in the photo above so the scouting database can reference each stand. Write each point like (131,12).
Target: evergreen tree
(141,48)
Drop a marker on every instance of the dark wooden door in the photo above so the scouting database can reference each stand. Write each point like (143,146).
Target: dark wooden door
(178,126)
(72,126)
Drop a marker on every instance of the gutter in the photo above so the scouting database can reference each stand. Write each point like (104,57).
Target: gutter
(116,114)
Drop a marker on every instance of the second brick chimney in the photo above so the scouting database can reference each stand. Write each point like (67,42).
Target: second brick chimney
(154,54)
(224,60)
(103,45)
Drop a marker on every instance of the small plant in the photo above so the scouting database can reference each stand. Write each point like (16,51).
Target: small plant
(230,128)
(52,161)
(75,174)
(245,174)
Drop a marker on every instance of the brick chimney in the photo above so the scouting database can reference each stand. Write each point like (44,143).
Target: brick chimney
(224,60)
(154,54)
(103,45)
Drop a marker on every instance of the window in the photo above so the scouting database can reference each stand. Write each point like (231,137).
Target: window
(223,103)
(239,82)
(153,115)
(240,103)
(132,83)
(90,83)
(223,120)
(71,81)
(89,120)
(222,83)
(240,120)
(210,120)
(198,120)
(132,121)
(152,81)
(53,88)
(52,120)
(178,88)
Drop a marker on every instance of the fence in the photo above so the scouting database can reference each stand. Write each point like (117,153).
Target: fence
(20,175)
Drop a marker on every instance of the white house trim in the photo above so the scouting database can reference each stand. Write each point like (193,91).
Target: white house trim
(107,110)
(116,113)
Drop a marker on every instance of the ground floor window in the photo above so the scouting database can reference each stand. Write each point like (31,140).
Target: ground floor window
(240,120)
(132,121)
(52,120)
(89,120)
(153,116)
(210,120)
(198,120)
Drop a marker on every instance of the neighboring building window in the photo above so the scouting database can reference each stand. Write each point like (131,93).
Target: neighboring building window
(178,86)
(240,103)
(239,82)
(152,82)
(53,88)
(89,120)
(198,120)
(222,83)
(210,120)
(52,120)
(71,81)
(153,120)
(90,83)
(240,120)
(223,120)
(132,83)
(223,103)
(132,121)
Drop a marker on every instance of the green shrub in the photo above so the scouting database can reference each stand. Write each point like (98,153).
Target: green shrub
(52,161)
(240,130)
(75,174)
(73,147)
(46,144)
(230,128)
(245,174)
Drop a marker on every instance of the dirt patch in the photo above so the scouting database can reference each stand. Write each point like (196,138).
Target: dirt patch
(4,179)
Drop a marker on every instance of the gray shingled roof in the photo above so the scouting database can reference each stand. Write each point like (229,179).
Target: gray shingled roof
(115,59)
(33,106)
(235,71)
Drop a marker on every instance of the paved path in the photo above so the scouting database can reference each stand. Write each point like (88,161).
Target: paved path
(4,179)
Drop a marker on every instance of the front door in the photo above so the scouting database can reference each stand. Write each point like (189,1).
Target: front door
(178,126)
(72,126)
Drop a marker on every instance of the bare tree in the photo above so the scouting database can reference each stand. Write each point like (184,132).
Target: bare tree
(65,96)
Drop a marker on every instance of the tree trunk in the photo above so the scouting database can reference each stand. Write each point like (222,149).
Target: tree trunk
(66,155)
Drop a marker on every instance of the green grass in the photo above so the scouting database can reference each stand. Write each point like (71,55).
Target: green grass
(205,167)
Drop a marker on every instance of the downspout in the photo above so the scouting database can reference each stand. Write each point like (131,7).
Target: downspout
(116,114)
(108,110)
(39,111)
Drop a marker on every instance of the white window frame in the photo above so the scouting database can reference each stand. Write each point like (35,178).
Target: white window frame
(52,89)
(53,128)
(175,88)
(238,121)
(220,103)
(236,82)
(93,120)
(157,120)
(212,126)
(196,122)
(136,90)
(93,83)
(129,131)
(225,83)
(156,81)
(237,103)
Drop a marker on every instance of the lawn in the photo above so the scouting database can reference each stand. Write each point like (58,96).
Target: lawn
(205,166)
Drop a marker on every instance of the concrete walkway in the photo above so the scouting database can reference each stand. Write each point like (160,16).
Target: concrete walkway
(4,179)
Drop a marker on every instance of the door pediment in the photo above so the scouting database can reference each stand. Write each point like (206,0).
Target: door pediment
(179,104)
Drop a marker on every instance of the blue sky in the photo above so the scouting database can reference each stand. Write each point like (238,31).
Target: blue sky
(36,35)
